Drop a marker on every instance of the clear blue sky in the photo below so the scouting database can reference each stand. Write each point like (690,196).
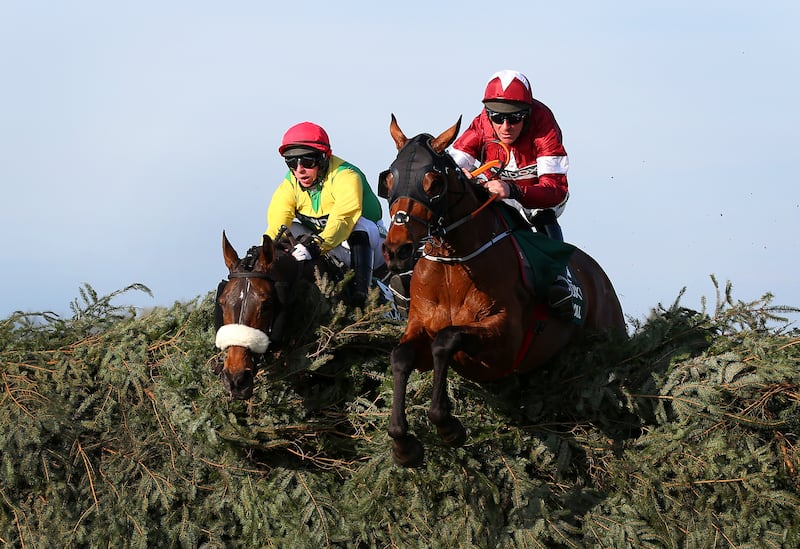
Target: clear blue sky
(132,134)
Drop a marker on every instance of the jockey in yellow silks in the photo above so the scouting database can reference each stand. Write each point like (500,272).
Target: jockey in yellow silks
(330,199)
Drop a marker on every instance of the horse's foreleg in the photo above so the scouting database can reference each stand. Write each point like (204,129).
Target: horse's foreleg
(407,450)
(447,343)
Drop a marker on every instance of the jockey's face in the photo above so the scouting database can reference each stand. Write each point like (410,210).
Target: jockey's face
(507,132)
(306,176)
(305,168)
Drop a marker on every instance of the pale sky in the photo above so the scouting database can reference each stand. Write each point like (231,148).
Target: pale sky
(132,134)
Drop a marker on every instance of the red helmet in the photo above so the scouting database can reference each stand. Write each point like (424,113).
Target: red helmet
(305,135)
(509,87)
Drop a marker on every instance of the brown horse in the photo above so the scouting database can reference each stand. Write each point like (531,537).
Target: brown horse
(470,306)
(252,307)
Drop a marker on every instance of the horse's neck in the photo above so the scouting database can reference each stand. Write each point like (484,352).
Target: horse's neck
(476,222)
(285,268)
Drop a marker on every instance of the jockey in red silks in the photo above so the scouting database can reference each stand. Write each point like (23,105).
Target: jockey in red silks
(522,134)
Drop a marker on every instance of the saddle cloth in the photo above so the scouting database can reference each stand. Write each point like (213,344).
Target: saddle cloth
(542,260)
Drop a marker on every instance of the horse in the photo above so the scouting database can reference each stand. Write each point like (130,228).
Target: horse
(470,308)
(252,306)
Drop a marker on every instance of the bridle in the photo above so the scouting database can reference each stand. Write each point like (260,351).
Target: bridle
(248,276)
(240,334)
(436,230)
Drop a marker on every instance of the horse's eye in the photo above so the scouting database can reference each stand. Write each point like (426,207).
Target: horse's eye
(385,181)
(434,185)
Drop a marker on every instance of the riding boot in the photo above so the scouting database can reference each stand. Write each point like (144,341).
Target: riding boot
(559,296)
(552,230)
(361,260)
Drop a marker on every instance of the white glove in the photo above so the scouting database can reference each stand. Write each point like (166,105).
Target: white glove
(301,253)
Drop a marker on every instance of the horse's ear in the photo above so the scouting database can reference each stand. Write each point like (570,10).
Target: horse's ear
(384,185)
(446,138)
(397,134)
(230,255)
(266,254)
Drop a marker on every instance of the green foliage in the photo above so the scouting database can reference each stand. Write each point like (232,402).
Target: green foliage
(115,431)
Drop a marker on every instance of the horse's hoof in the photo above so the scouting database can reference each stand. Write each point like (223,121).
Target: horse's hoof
(408,451)
(453,433)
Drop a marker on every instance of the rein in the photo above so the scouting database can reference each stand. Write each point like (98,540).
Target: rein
(465,258)
(265,276)
(441,232)
(468,217)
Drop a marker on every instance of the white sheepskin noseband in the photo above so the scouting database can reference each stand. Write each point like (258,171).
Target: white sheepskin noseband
(242,336)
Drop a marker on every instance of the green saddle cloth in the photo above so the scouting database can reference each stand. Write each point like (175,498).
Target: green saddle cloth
(542,258)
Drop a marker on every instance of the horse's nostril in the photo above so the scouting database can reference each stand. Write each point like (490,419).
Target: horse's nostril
(240,384)
(405,252)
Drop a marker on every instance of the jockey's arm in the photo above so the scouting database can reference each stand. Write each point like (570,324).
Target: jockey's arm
(346,194)
(281,210)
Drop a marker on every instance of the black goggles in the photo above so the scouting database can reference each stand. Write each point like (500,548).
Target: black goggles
(308,161)
(512,117)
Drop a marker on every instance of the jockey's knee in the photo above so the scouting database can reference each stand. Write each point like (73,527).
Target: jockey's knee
(546,221)
(543,218)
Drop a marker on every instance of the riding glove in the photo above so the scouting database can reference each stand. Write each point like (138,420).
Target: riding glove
(306,249)
(301,253)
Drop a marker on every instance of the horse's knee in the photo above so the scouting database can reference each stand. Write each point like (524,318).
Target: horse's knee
(452,339)
(437,415)
(402,360)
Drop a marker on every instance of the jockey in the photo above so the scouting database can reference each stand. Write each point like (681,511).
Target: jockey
(522,133)
(329,202)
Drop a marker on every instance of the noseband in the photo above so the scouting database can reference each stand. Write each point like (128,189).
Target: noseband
(239,334)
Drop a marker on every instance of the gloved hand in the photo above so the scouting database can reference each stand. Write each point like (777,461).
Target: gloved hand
(301,253)
(307,248)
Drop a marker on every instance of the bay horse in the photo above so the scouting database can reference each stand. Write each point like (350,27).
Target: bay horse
(252,306)
(470,307)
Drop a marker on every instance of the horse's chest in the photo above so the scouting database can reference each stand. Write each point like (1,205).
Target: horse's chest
(455,308)
(449,297)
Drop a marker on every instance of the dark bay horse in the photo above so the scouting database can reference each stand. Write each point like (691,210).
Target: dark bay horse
(252,307)
(470,306)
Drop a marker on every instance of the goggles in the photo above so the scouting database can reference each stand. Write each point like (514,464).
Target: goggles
(308,161)
(512,117)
